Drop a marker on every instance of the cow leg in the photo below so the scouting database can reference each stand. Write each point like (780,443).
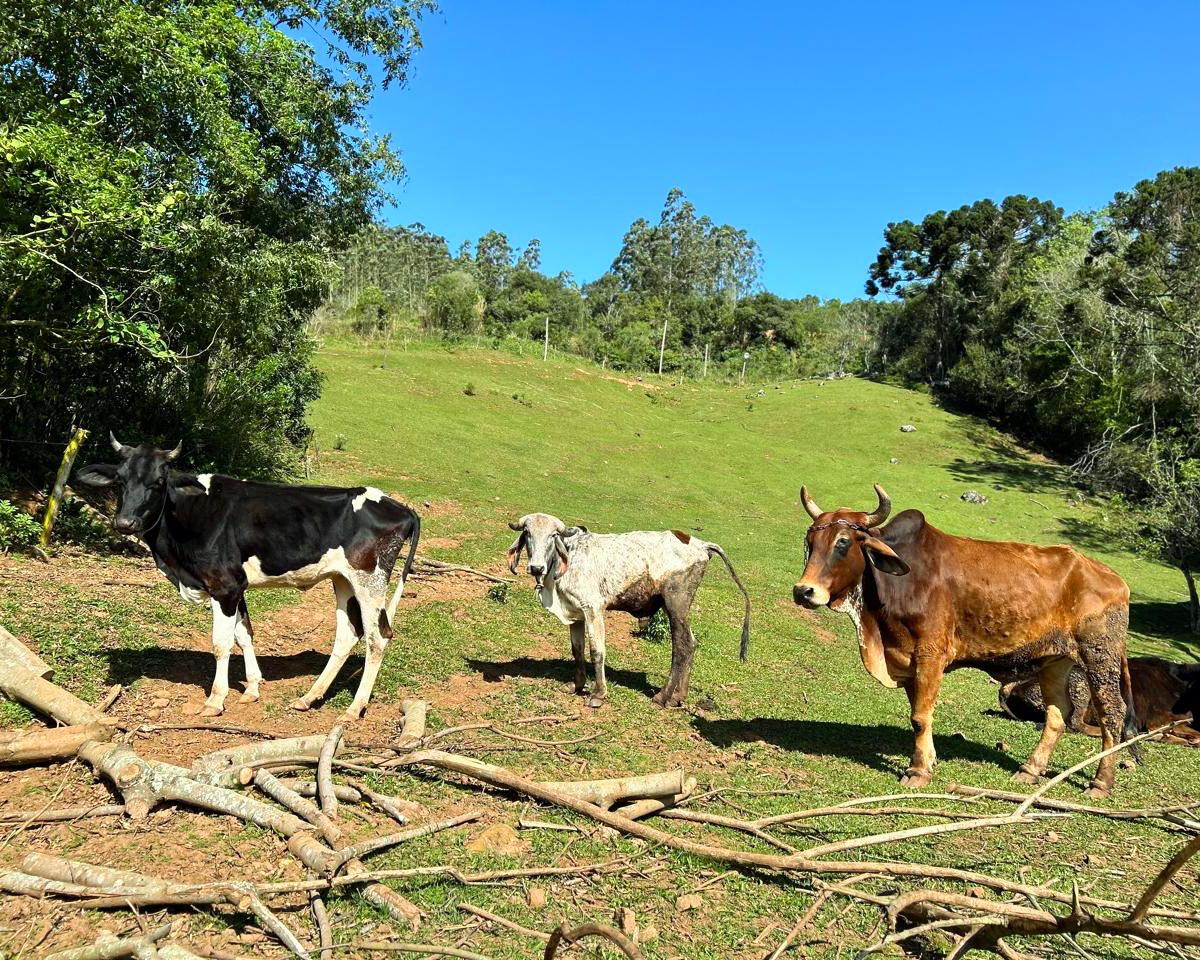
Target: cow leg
(578,642)
(225,618)
(244,634)
(677,596)
(372,599)
(1053,677)
(593,627)
(1104,678)
(922,692)
(349,623)
(683,652)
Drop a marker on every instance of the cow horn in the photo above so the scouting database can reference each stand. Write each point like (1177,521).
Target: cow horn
(118,445)
(172,454)
(516,526)
(810,504)
(881,511)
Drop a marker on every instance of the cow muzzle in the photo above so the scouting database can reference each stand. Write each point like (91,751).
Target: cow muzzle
(538,574)
(126,525)
(810,595)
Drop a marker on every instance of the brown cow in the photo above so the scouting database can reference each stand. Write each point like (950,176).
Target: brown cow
(924,602)
(1163,692)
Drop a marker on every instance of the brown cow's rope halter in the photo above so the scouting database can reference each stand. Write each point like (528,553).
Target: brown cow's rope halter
(839,523)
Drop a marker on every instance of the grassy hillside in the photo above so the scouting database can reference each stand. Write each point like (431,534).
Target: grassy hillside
(484,438)
(475,439)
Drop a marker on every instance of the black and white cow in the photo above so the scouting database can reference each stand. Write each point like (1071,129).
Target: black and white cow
(578,575)
(215,537)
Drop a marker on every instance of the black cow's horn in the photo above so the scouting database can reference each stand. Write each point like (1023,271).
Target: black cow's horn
(172,454)
(516,526)
(810,504)
(118,445)
(881,511)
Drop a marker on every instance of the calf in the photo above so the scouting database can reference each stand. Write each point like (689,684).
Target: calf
(578,575)
(215,537)
(1163,692)
(924,602)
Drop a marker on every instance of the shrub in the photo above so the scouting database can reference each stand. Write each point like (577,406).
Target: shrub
(18,530)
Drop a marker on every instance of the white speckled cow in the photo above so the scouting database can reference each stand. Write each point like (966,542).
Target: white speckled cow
(578,575)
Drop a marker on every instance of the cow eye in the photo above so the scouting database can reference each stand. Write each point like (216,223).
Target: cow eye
(842,545)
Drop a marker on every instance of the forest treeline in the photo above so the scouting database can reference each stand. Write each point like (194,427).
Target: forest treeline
(681,290)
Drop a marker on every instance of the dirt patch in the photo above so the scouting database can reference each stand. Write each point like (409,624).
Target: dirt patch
(636,383)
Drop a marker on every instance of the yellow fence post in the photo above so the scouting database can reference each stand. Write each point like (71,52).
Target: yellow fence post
(60,482)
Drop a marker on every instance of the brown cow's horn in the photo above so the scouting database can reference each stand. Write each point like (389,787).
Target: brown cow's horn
(884,508)
(172,454)
(810,504)
(118,445)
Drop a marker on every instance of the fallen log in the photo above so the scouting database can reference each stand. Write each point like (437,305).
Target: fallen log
(57,743)
(564,934)
(109,948)
(14,650)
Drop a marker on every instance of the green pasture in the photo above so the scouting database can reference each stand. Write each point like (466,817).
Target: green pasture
(484,437)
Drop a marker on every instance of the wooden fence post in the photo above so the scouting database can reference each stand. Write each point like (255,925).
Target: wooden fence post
(60,482)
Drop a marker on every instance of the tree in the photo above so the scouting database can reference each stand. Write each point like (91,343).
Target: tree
(531,256)
(456,304)
(173,177)
(493,262)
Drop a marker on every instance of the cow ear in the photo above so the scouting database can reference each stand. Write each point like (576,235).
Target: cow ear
(514,552)
(96,475)
(884,558)
(573,531)
(560,549)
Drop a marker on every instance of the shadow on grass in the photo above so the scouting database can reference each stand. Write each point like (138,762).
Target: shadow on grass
(558,669)
(1006,464)
(194,667)
(878,747)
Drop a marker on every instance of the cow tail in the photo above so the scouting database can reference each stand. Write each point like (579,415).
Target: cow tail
(745,648)
(408,565)
(1131,726)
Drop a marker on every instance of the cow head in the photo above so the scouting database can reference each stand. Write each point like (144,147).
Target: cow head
(141,477)
(839,544)
(544,538)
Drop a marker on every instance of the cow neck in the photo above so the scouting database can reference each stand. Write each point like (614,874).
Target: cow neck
(166,537)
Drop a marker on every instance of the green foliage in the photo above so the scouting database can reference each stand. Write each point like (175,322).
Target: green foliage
(456,305)
(697,276)
(18,530)
(172,177)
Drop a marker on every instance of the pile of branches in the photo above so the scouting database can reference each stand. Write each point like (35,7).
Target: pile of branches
(288,786)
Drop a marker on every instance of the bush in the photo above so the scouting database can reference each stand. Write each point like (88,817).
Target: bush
(455,304)
(18,530)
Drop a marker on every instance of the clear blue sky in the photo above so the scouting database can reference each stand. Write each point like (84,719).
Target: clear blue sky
(810,125)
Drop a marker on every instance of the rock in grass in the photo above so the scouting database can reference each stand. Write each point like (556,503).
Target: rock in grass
(689,901)
(536,898)
(499,838)
(973,496)
(908,428)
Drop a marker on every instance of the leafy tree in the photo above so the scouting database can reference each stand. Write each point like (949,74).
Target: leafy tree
(493,262)
(173,174)
(456,304)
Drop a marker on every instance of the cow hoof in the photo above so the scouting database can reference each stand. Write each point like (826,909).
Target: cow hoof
(1026,777)
(1097,791)
(301,705)
(351,715)
(658,699)
(596,702)
(250,696)
(915,779)
(211,711)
